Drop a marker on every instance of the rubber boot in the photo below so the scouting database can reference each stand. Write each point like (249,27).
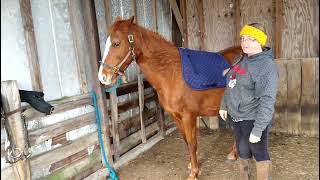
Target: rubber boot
(245,168)
(264,170)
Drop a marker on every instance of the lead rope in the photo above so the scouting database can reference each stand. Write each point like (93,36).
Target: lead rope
(113,174)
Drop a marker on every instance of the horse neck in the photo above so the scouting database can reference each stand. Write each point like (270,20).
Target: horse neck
(159,59)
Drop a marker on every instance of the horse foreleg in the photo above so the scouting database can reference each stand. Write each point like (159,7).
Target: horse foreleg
(233,155)
(191,136)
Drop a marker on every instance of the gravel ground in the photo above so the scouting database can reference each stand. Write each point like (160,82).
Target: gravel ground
(293,158)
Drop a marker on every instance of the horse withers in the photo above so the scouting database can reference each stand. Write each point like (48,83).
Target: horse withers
(159,60)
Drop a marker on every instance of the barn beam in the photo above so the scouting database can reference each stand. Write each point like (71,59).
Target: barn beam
(237,24)
(31,45)
(94,49)
(15,128)
(183,9)
(177,14)
(278,27)
(201,23)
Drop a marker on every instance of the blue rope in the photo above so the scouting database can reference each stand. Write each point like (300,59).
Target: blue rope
(113,175)
(119,82)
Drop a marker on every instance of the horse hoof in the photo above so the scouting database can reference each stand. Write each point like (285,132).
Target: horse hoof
(231,158)
(192,178)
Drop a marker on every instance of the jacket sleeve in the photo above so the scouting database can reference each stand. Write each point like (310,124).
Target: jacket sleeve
(266,91)
(223,105)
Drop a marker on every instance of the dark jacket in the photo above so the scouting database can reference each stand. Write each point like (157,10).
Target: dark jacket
(254,93)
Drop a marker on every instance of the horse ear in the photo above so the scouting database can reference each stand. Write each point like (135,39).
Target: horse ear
(133,20)
(118,18)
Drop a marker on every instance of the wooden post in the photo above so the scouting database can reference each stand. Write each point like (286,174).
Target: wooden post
(201,23)
(183,9)
(154,16)
(108,12)
(115,128)
(278,27)
(140,85)
(177,15)
(237,14)
(76,34)
(161,119)
(93,43)
(16,128)
(31,45)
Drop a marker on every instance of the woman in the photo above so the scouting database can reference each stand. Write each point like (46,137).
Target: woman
(249,99)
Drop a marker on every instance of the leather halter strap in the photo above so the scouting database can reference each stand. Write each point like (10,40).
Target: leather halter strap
(116,69)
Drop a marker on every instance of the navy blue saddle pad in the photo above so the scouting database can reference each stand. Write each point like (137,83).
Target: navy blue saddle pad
(203,70)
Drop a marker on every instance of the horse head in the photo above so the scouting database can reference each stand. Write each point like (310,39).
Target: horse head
(120,51)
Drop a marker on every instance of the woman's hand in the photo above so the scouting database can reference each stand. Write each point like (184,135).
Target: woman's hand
(254,139)
(223,114)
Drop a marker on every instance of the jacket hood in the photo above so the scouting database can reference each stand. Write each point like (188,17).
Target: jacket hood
(266,53)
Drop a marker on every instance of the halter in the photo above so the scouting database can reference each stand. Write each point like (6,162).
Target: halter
(116,69)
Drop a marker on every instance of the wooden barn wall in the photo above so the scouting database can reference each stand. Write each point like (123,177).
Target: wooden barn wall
(300,33)
(193,25)
(299,30)
(219,25)
(297,104)
(259,11)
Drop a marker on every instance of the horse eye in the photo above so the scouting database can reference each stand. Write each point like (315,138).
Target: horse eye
(115,44)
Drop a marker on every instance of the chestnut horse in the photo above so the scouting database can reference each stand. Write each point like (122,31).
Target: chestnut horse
(159,60)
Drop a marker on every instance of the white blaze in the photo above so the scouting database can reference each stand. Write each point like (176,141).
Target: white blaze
(106,50)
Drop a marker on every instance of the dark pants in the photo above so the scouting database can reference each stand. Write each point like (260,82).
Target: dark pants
(246,149)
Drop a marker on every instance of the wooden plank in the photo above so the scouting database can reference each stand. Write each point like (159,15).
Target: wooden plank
(237,23)
(278,27)
(161,119)
(93,41)
(294,96)
(132,124)
(261,12)
(46,159)
(315,129)
(39,135)
(115,121)
(300,29)
(129,88)
(219,25)
(59,106)
(177,15)
(72,159)
(154,16)
(15,126)
(141,106)
(213,122)
(193,25)
(308,95)
(75,24)
(108,12)
(183,9)
(80,169)
(31,45)
(134,139)
(201,23)
(280,123)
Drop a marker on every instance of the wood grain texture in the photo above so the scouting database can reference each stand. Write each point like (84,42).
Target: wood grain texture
(193,25)
(260,11)
(219,25)
(300,36)
(280,121)
(294,96)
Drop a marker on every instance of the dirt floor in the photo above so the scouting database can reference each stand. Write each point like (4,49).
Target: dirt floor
(294,158)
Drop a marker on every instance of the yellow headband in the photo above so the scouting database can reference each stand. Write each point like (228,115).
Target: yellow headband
(256,33)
